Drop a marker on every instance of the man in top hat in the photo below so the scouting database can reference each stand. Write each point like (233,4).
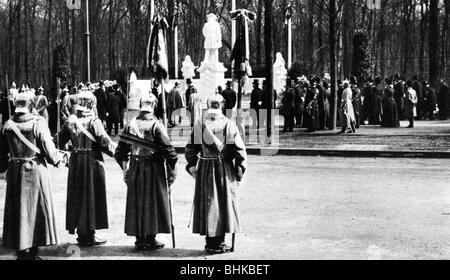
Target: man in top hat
(148,160)
(26,147)
(230,97)
(188,90)
(41,103)
(86,186)
(256,99)
(288,107)
(100,95)
(217,160)
(175,102)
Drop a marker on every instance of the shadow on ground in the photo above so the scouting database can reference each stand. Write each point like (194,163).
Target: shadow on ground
(73,251)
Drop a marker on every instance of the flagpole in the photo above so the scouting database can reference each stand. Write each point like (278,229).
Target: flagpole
(289,43)
(88,44)
(164,105)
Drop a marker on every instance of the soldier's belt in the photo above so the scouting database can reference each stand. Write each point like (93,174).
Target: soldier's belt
(138,142)
(218,157)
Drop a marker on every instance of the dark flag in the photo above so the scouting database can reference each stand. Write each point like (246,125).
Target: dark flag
(157,59)
(240,54)
(176,13)
(288,12)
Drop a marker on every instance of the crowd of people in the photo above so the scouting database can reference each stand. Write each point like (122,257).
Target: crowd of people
(309,103)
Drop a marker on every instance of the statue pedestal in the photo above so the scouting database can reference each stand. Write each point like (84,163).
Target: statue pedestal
(212,75)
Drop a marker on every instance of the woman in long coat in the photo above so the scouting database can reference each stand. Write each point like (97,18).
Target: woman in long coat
(411,101)
(149,175)
(86,186)
(218,162)
(29,220)
(390,112)
(348,120)
(311,111)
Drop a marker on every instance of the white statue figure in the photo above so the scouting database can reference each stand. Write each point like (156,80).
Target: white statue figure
(188,68)
(280,65)
(213,39)
(13,91)
(280,73)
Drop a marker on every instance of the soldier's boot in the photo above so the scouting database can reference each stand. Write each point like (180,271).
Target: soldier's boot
(28,255)
(89,239)
(216,245)
(149,243)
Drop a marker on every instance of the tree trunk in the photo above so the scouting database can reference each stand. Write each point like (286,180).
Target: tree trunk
(258,36)
(423,23)
(433,43)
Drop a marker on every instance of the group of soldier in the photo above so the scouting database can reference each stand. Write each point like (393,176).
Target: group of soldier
(216,159)
(309,103)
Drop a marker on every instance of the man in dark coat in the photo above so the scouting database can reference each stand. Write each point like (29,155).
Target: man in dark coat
(217,160)
(311,115)
(288,107)
(101,96)
(443,100)
(230,97)
(399,96)
(4,110)
(430,101)
(390,117)
(26,147)
(255,103)
(376,109)
(86,186)
(150,174)
(175,102)
(299,101)
(114,105)
(188,90)
(357,101)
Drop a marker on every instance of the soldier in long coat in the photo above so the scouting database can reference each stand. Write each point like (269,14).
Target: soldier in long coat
(149,173)
(26,147)
(41,104)
(86,188)
(217,161)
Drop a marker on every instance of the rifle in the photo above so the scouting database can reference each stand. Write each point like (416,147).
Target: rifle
(58,110)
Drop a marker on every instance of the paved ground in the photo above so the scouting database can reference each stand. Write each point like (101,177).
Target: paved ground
(299,208)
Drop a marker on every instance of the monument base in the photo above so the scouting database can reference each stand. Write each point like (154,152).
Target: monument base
(212,75)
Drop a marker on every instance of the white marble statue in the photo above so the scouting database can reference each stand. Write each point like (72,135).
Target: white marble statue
(280,73)
(188,68)
(213,39)
(279,66)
